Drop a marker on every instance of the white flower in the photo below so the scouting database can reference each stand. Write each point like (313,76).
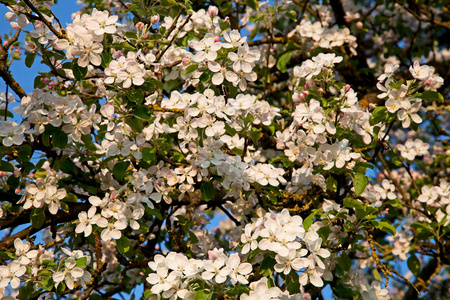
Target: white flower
(313,275)
(12,133)
(420,72)
(23,253)
(89,218)
(292,260)
(236,270)
(161,280)
(10,274)
(70,273)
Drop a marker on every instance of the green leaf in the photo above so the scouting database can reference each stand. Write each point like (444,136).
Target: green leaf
(120,168)
(252,3)
(59,139)
(155,37)
(431,96)
(308,221)
(345,262)
(331,184)
(414,264)
(25,291)
(78,72)
(135,124)
(29,59)
(395,85)
(207,190)
(147,294)
(123,244)
(385,226)
(359,182)
(265,269)
(255,135)
(81,262)
(46,283)
(292,283)
(142,112)
(7,255)
(136,96)
(106,59)
(190,69)
(168,3)
(292,14)
(353,203)
(149,154)
(6,166)
(378,115)
(204,295)
(238,290)
(283,61)
(61,288)
(224,25)
(37,217)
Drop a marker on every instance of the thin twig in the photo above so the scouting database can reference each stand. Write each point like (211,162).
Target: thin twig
(232,218)
(44,20)
(173,38)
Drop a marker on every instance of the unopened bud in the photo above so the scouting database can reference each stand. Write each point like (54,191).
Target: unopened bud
(213,11)
(139,26)
(1,173)
(17,191)
(154,19)
(320,90)
(347,88)
(216,39)
(10,16)
(359,24)
(186,61)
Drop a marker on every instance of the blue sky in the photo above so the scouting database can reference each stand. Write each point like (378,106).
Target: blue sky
(23,75)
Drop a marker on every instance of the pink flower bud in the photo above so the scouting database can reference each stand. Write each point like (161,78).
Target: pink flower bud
(359,24)
(320,90)
(347,88)
(216,39)
(144,36)
(1,173)
(305,93)
(213,11)
(45,80)
(212,255)
(227,19)
(305,86)
(17,191)
(154,19)
(31,176)
(10,16)
(139,26)
(186,61)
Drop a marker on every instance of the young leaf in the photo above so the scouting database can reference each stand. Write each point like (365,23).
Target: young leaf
(207,190)
(359,182)
(123,244)
(120,168)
